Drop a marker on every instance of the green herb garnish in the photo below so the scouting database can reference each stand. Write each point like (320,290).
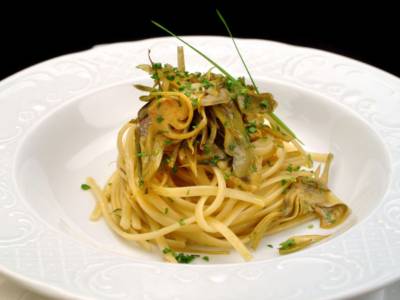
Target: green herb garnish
(214,160)
(157,66)
(185,258)
(264,104)
(287,244)
(329,217)
(195,102)
(237,49)
(159,119)
(252,128)
(207,84)
(167,250)
(291,168)
(273,116)
(85,186)
(155,76)
(194,49)
(206,258)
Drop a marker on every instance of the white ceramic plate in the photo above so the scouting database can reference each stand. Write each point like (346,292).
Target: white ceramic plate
(58,124)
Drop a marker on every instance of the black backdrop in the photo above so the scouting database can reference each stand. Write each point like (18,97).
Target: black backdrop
(30,34)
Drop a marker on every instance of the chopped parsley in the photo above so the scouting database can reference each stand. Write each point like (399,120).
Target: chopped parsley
(329,217)
(206,83)
(141,154)
(85,186)
(270,246)
(284,181)
(181,88)
(159,119)
(167,142)
(206,258)
(311,226)
(181,222)
(166,211)
(264,104)
(247,101)
(155,76)
(157,66)
(251,128)
(287,244)
(171,77)
(181,258)
(229,84)
(167,250)
(185,258)
(291,168)
(195,102)
(214,160)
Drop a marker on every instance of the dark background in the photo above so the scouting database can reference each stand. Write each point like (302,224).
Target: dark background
(31,34)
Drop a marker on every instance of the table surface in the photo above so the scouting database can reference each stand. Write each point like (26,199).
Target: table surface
(10,290)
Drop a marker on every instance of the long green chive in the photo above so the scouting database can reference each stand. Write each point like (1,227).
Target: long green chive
(273,116)
(283,125)
(194,49)
(237,49)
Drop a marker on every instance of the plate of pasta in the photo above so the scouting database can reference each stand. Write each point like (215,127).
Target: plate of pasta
(173,173)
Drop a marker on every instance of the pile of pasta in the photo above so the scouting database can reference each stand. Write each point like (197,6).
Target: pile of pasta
(206,167)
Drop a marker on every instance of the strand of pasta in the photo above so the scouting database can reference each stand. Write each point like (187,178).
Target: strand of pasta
(195,191)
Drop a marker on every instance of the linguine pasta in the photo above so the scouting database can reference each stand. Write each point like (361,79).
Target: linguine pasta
(207,167)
